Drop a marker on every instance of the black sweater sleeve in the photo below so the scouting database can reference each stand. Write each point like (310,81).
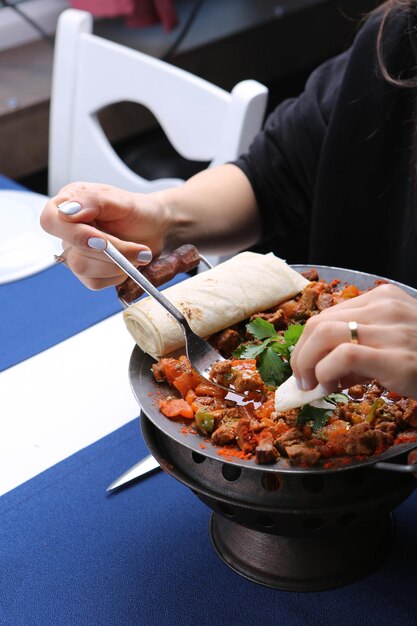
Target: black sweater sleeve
(282,162)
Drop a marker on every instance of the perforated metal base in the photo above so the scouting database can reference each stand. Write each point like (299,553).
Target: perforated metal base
(301,563)
(292,549)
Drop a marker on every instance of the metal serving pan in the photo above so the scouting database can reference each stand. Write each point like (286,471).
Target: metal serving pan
(148,392)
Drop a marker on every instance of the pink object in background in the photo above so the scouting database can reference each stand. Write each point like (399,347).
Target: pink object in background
(148,12)
(138,13)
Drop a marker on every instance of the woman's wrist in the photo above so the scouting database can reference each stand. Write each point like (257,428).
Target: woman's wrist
(177,219)
(215,210)
(154,220)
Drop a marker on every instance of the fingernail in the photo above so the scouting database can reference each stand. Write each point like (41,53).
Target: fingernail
(144,256)
(69,207)
(299,384)
(97,243)
(304,385)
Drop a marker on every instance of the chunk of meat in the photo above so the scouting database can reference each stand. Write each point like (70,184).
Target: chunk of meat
(290,308)
(220,368)
(324,301)
(409,407)
(312,274)
(373,392)
(354,412)
(383,439)
(265,451)
(356,391)
(300,454)
(395,411)
(363,440)
(247,380)
(242,374)
(308,300)
(388,427)
(228,413)
(226,342)
(278,319)
(221,372)
(360,440)
(245,436)
(225,433)
(290,438)
(158,372)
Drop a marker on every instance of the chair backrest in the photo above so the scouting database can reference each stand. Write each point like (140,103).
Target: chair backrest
(202,121)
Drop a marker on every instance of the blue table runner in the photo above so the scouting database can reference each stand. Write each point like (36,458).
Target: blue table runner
(72,555)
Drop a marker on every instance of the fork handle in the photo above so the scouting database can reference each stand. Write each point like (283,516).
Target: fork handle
(146,285)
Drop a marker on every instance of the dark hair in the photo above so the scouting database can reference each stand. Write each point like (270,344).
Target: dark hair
(388,10)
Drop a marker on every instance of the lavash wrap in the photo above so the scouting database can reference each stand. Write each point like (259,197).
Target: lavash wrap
(213,300)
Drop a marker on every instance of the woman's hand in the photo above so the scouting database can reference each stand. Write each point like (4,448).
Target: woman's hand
(134,223)
(215,210)
(387,348)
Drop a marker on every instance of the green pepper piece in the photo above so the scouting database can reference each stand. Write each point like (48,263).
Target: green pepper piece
(205,422)
(372,413)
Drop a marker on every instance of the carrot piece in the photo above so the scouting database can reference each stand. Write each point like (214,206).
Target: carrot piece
(268,422)
(186,381)
(191,398)
(244,364)
(350,291)
(209,389)
(266,408)
(172,369)
(176,407)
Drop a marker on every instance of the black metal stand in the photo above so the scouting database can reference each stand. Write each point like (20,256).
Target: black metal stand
(302,563)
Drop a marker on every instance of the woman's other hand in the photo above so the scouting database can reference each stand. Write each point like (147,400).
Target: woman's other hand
(386,350)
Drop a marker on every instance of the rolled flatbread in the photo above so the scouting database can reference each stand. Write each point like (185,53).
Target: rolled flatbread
(211,301)
(289,396)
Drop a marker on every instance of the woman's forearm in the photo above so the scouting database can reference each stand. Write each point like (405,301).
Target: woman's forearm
(216,210)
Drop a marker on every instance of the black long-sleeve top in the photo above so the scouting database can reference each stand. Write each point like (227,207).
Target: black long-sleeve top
(333,170)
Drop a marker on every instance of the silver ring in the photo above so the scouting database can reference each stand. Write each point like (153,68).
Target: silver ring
(353,329)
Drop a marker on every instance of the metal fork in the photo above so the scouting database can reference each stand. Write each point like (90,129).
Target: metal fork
(199,352)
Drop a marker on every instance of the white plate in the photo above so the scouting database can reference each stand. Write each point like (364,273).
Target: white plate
(25,248)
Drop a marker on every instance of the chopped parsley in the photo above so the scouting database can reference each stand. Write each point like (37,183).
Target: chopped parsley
(274,351)
(272,368)
(317,416)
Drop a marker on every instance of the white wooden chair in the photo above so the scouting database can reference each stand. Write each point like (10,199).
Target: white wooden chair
(202,121)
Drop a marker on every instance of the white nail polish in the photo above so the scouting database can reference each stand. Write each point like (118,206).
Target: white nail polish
(144,256)
(69,207)
(96,243)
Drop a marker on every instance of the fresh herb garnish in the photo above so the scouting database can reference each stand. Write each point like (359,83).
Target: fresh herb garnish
(336,398)
(261,329)
(293,334)
(319,416)
(274,351)
(251,351)
(272,368)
